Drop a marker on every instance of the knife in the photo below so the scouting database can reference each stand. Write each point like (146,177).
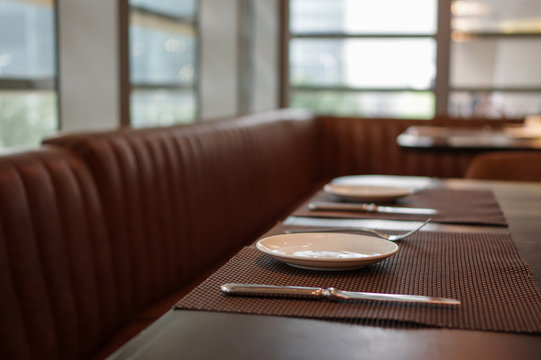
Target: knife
(330,293)
(326,205)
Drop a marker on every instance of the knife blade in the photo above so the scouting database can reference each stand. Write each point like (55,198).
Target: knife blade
(330,293)
(327,205)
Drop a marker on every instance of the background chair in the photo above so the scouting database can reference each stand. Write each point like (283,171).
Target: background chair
(508,165)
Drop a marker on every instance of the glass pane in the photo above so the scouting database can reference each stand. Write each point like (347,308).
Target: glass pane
(369,63)
(161,57)
(162,107)
(26,117)
(418,105)
(494,105)
(363,16)
(496,63)
(182,8)
(27,39)
(504,16)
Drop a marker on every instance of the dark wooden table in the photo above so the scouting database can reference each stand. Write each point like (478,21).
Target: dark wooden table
(465,139)
(210,335)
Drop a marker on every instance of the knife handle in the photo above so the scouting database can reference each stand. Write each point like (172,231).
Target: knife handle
(322,205)
(256,289)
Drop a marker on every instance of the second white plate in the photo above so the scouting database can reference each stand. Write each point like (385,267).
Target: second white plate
(327,251)
(367,192)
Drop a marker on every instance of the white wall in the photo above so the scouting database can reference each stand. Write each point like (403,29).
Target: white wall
(88,64)
(219,58)
(223,67)
(265,55)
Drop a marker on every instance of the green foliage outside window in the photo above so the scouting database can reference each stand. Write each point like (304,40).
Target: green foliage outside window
(26,119)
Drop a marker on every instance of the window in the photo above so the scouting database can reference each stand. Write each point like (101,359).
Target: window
(28,99)
(369,58)
(495,52)
(390,58)
(163,58)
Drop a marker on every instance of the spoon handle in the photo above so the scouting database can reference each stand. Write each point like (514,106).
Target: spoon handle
(337,229)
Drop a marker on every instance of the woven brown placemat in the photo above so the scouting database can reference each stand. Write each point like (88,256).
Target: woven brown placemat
(484,271)
(454,206)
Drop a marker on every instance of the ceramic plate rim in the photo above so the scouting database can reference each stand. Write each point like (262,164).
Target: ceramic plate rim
(417,183)
(394,192)
(327,260)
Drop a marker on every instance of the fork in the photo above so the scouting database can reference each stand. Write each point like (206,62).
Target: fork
(379,234)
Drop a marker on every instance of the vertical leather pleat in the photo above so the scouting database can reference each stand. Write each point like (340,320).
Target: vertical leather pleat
(54,260)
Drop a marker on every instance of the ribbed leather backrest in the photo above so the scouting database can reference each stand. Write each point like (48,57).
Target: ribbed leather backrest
(57,298)
(368,146)
(179,199)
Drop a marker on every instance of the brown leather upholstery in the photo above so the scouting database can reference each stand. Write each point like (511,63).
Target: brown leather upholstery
(179,200)
(57,296)
(512,165)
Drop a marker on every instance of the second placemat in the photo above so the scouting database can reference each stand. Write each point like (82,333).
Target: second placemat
(453,206)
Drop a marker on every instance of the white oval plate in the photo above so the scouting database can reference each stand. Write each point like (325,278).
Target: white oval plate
(418,183)
(327,251)
(367,192)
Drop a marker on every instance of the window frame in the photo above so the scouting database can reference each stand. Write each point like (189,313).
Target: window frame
(442,88)
(126,82)
(441,83)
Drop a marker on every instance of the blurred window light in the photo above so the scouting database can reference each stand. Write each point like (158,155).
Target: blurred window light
(363,16)
(365,51)
(469,8)
(28,99)
(496,16)
(163,58)
(363,57)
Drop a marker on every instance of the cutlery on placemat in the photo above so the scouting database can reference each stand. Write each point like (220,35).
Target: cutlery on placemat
(327,205)
(390,237)
(330,293)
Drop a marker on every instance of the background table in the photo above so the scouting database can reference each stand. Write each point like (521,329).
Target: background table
(209,335)
(466,139)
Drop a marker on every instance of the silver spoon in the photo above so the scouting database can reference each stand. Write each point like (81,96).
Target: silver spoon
(363,229)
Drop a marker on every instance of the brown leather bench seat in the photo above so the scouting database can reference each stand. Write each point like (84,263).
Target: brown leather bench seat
(100,233)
